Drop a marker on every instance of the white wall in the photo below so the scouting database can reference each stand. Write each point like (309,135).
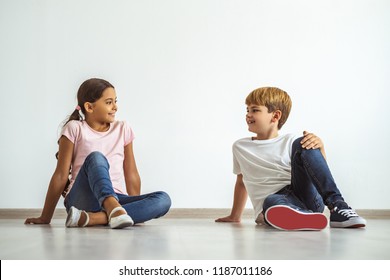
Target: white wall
(182,70)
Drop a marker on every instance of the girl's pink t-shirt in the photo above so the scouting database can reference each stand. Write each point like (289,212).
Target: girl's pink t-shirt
(110,143)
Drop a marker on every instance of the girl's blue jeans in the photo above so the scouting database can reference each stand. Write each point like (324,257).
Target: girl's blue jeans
(312,184)
(93,185)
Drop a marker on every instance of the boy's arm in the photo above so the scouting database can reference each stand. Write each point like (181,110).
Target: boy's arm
(240,197)
(312,141)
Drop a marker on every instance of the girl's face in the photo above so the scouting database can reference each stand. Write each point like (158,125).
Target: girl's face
(259,120)
(104,109)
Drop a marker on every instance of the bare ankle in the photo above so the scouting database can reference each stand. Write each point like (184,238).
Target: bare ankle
(118,212)
(83,219)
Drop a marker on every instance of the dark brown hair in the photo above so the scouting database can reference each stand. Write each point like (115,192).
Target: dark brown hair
(89,91)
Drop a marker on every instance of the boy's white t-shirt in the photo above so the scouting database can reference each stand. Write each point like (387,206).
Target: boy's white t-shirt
(265,166)
(110,143)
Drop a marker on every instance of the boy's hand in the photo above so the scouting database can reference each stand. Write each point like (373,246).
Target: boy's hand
(228,219)
(311,141)
(260,220)
(240,197)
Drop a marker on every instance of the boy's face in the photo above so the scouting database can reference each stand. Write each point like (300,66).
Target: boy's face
(259,120)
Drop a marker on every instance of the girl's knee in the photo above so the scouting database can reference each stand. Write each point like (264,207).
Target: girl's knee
(95,155)
(96,158)
(166,198)
(163,200)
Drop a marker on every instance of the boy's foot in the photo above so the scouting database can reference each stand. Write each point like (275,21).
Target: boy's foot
(343,216)
(286,218)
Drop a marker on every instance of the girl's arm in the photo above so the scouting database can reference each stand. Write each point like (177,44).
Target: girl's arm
(239,202)
(132,178)
(57,182)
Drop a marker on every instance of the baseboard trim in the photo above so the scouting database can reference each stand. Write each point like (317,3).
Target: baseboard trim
(179,213)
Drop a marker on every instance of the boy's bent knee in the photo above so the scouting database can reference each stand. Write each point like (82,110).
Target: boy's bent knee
(297,144)
(298,149)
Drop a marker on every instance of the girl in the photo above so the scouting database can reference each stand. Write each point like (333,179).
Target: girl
(99,152)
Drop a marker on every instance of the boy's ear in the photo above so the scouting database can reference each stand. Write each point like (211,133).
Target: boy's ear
(276,115)
(88,107)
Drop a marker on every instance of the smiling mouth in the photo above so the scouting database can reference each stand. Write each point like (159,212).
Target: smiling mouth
(250,122)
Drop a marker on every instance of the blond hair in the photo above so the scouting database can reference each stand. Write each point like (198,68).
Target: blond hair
(274,99)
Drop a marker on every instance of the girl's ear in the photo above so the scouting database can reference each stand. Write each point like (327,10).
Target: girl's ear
(88,107)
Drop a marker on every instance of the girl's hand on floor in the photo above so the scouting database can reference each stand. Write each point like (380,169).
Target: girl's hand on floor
(39,220)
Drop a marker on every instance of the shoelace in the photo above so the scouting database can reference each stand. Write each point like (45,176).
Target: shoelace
(347,212)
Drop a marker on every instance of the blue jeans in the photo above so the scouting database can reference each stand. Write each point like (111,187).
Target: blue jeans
(312,184)
(93,185)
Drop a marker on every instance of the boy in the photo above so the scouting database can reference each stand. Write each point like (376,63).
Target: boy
(287,178)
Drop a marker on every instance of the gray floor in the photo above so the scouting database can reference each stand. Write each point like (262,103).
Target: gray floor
(191,239)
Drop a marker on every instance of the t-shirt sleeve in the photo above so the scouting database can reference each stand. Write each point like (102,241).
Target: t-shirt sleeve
(128,134)
(291,138)
(71,131)
(236,164)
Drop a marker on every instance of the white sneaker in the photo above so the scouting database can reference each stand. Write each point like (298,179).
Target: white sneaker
(120,221)
(74,214)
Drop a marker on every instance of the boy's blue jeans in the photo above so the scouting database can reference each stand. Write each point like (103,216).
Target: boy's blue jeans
(312,184)
(93,185)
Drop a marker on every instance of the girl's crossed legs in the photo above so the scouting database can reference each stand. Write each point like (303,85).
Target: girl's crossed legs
(92,192)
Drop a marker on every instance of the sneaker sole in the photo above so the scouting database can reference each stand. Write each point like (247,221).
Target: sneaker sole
(286,218)
(348,224)
(121,221)
(123,225)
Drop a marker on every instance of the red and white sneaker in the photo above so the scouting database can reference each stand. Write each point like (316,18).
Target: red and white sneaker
(286,218)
